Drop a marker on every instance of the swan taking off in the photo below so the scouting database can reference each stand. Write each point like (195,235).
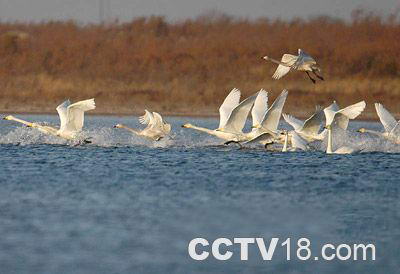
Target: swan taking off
(309,130)
(391,126)
(156,128)
(71,119)
(301,62)
(341,150)
(341,117)
(232,118)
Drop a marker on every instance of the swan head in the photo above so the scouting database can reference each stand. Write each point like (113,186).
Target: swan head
(361,130)
(187,125)
(256,126)
(8,117)
(265,57)
(328,127)
(118,126)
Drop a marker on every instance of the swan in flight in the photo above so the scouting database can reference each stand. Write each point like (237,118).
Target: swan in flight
(156,128)
(309,130)
(391,126)
(301,62)
(341,150)
(232,118)
(71,120)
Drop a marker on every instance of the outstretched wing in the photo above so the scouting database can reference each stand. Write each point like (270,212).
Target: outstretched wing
(147,118)
(260,107)
(313,124)
(273,115)
(342,116)
(330,112)
(62,113)
(294,122)
(75,114)
(385,117)
(238,117)
(288,60)
(303,58)
(231,101)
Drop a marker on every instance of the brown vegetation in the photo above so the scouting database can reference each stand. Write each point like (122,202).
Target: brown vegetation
(189,66)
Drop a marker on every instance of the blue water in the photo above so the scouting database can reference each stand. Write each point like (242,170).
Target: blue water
(127,205)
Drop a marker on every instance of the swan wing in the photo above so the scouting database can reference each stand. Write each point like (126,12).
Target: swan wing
(385,117)
(238,117)
(294,122)
(298,142)
(147,118)
(354,110)
(75,113)
(395,132)
(313,124)
(303,58)
(231,101)
(260,107)
(289,60)
(330,112)
(273,115)
(62,113)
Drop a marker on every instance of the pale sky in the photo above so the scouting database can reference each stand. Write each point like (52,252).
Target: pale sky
(88,11)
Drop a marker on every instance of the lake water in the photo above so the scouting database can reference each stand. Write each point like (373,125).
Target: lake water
(127,205)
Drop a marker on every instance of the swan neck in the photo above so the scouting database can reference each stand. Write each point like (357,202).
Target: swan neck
(370,131)
(29,124)
(206,130)
(284,149)
(130,129)
(329,147)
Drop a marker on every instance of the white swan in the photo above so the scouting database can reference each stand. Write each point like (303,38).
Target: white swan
(265,130)
(341,150)
(296,142)
(71,119)
(301,62)
(233,117)
(309,130)
(156,128)
(391,126)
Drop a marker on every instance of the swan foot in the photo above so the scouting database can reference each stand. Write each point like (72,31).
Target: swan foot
(309,76)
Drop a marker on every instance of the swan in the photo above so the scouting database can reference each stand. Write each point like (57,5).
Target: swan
(296,141)
(71,119)
(301,62)
(391,126)
(156,128)
(341,150)
(265,129)
(309,130)
(233,116)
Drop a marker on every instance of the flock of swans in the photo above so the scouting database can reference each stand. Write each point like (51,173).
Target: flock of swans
(234,113)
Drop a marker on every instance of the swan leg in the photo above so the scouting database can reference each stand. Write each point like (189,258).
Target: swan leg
(319,76)
(309,76)
(267,145)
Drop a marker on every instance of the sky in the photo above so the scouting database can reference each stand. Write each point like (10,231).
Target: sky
(92,11)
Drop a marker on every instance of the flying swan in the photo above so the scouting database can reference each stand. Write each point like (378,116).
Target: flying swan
(71,120)
(301,62)
(156,128)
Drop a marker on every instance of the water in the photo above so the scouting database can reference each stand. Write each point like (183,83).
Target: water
(127,205)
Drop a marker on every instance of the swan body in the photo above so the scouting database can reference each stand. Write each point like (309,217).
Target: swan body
(296,141)
(156,128)
(233,116)
(71,119)
(390,125)
(308,130)
(300,62)
(341,150)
